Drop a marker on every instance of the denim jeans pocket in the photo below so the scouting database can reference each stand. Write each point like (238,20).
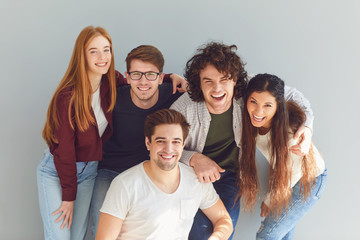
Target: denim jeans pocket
(322,182)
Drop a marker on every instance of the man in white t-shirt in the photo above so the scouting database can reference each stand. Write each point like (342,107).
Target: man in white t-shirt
(158,199)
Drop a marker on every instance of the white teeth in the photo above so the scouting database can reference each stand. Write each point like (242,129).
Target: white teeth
(167,157)
(143,89)
(258,118)
(100,64)
(218,96)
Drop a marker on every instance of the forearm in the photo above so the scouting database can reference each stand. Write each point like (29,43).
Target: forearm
(223,228)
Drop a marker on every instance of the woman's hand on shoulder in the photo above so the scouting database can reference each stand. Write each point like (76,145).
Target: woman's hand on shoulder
(66,209)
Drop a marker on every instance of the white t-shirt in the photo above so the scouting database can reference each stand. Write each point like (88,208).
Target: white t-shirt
(98,112)
(262,143)
(150,213)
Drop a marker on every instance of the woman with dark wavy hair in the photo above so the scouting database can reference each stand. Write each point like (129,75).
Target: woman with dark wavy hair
(295,182)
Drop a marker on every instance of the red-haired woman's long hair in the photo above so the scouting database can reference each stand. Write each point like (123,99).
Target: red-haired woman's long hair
(76,80)
(288,116)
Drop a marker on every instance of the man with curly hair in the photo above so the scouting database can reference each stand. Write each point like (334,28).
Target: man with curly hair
(217,80)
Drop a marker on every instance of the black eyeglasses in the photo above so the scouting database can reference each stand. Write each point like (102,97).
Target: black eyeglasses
(151,76)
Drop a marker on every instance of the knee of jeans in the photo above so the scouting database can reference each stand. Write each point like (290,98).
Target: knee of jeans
(258,237)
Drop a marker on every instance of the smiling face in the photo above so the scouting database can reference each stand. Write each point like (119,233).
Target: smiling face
(261,107)
(98,57)
(144,93)
(166,146)
(218,89)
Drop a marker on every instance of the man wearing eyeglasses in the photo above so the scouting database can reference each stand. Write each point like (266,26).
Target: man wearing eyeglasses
(145,94)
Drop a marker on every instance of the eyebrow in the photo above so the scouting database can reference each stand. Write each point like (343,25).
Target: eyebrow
(157,138)
(96,48)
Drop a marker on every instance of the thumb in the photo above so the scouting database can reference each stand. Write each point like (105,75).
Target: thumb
(220,169)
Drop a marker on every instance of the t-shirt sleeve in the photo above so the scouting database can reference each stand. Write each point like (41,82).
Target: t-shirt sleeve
(117,200)
(210,197)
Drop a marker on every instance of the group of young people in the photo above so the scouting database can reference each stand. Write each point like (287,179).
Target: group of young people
(145,171)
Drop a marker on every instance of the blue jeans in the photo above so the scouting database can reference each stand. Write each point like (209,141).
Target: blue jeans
(227,189)
(102,184)
(50,198)
(283,226)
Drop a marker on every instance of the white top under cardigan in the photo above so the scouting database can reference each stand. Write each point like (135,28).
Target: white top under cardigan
(98,112)
(263,144)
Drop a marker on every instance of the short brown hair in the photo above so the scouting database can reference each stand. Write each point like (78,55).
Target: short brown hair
(165,116)
(146,53)
(224,59)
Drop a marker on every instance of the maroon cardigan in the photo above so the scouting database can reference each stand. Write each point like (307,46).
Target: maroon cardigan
(76,146)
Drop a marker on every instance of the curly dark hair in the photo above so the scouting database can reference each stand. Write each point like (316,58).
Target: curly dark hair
(224,59)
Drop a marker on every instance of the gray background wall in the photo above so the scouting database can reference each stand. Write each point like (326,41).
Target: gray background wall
(312,45)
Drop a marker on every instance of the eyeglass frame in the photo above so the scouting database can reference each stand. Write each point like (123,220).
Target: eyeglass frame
(144,74)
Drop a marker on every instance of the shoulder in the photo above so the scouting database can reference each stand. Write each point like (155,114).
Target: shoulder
(188,174)
(123,89)
(130,175)
(184,102)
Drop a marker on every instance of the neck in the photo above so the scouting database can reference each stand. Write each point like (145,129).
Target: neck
(94,81)
(263,130)
(167,181)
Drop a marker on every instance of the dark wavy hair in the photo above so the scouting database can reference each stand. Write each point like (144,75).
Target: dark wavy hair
(224,59)
(288,116)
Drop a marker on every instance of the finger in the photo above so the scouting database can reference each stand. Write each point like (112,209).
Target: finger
(201,179)
(174,88)
(207,179)
(64,222)
(220,169)
(60,218)
(217,176)
(213,178)
(181,89)
(56,212)
(70,222)
(299,132)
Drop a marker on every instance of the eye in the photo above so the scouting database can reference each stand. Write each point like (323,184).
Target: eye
(268,105)
(177,142)
(253,101)
(107,50)
(92,52)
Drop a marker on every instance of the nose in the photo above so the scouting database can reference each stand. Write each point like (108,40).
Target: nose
(143,79)
(101,55)
(216,87)
(168,147)
(258,111)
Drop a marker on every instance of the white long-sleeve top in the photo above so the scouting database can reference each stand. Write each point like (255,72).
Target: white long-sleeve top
(263,144)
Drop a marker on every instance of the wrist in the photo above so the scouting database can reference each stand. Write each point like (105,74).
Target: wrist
(193,159)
